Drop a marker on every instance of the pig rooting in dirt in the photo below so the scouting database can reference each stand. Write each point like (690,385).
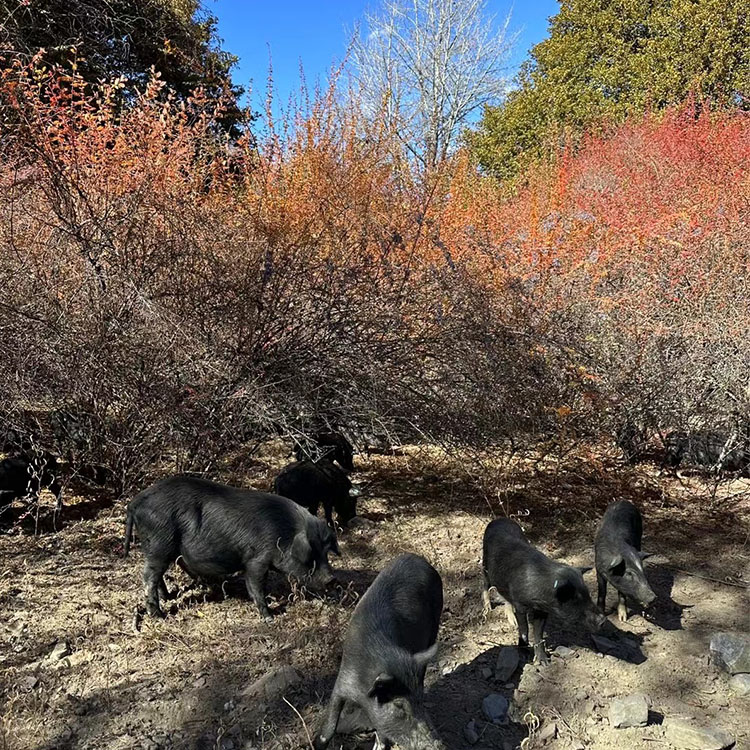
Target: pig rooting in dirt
(533,586)
(216,530)
(619,559)
(390,640)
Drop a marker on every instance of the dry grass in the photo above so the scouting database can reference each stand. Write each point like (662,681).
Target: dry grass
(179,683)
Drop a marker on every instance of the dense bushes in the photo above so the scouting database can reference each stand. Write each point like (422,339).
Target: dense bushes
(188,295)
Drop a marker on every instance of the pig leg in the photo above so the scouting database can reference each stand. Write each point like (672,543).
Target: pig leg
(523,626)
(328,508)
(622,608)
(486,604)
(163,590)
(255,579)
(510,613)
(328,727)
(153,580)
(537,621)
(56,489)
(601,590)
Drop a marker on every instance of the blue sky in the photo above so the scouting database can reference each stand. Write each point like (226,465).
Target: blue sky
(315,33)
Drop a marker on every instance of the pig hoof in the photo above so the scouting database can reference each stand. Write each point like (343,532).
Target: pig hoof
(267,618)
(158,613)
(622,613)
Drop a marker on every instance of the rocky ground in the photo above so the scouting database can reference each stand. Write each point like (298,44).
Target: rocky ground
(78,669)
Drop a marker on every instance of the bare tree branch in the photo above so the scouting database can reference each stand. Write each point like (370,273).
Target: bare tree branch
(427,65)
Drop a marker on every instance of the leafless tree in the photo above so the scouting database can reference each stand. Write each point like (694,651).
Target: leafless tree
(425,66)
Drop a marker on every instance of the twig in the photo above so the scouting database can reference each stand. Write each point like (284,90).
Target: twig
(304,725)
(741,585)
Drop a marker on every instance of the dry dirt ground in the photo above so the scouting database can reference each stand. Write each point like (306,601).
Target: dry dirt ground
(185,682)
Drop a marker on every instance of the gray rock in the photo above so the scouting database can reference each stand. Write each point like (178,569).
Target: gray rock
(60,651)
(363,524)
(547,732)
(630,711)
(495,708)
(683,734)
(273,684)
(28,683)
(731,652)
(76,659)
(740,684)
(470,733)
(506,664)
(564,652)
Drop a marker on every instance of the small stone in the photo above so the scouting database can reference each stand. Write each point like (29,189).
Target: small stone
(28,683)
(564,652)
(548,732)
(683,734)
(506,664)
(731,652)
(630,711)
(470,733)
(363,524)
(589,707)
(495,708)
(486,673)
(274,683)
(60,651)
(76,659)
(740,684)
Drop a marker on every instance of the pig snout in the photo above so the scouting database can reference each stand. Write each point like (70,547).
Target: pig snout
(647,598)
(323,578)
(418,734)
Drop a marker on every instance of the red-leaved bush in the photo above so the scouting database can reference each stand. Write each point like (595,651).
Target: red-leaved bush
(177,295)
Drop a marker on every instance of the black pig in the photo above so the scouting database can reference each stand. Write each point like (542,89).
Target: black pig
(217,530)
(619,557)
(328,444)
(27,475)
(309,483)
(716,451)
(534,586)
(391,638)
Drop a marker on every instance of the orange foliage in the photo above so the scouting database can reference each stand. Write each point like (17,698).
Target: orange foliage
(310,254)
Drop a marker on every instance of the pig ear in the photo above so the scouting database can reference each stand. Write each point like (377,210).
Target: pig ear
(425,657)
(564,591)
(616,562)
(301,549)
(383,687)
